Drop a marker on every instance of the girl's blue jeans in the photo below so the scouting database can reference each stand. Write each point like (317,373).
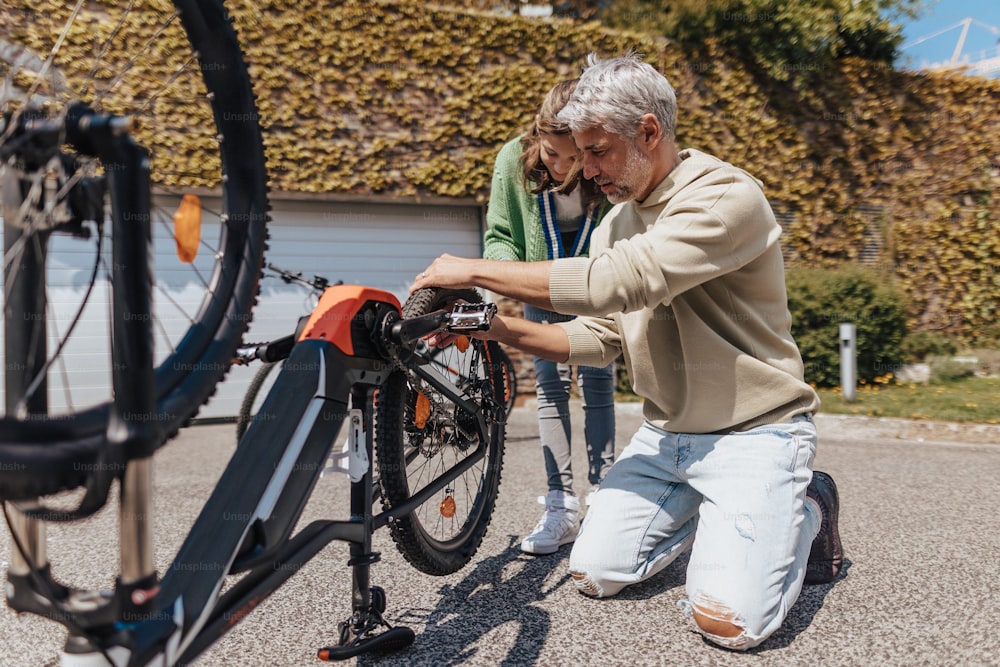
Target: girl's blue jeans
(597,388)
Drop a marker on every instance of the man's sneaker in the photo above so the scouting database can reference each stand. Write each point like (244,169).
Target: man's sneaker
(558,526)
(827,554)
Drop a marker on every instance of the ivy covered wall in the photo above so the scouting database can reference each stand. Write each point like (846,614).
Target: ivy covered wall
(400,99)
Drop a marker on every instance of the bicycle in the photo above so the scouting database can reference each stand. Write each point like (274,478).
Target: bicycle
(452,360)
(67,149)
(249,353)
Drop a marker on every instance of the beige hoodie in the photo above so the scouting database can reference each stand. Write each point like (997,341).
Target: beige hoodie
(694,282)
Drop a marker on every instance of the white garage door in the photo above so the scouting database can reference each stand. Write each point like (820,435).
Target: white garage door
(378,245)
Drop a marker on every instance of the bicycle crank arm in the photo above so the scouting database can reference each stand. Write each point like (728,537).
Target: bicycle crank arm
(463,318)
(411,329)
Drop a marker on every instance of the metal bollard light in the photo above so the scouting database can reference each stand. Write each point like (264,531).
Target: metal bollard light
(848,362)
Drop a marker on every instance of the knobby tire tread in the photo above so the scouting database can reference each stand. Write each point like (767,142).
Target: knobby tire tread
(407,532)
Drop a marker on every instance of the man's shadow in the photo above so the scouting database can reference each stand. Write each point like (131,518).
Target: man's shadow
(488,598)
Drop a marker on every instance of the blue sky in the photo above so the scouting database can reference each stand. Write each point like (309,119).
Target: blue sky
(941,14)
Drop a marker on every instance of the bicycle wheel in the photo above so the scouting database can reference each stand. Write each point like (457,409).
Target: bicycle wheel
(420,434)
(445,362)
(509,380)
(254,398)
(178,70)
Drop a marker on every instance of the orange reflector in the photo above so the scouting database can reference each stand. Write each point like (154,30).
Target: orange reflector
(448,507)
(422,410)
(462,343)
(187,228)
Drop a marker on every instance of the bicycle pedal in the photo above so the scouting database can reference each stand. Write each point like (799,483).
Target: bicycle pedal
(392,639)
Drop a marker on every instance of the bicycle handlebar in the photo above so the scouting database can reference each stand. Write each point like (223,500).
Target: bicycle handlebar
(318,283)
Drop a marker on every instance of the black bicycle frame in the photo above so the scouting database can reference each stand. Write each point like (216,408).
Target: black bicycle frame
(246,524)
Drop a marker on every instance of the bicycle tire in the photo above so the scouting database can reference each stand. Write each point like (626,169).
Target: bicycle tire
(442,534)
(48,453)
(248,408)
(509,380)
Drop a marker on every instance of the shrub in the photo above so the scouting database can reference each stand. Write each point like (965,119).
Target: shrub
(989,337)
(822,299)
(948,369)
(919,345)
(623,386)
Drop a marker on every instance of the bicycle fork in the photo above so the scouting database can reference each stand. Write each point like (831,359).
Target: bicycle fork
(132,422)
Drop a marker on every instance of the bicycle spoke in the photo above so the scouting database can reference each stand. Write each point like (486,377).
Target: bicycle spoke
(424,433)
(47,64)
(99,58)
(131,60)
(131,63)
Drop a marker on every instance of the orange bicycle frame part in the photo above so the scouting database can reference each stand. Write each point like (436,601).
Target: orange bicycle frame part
(338,317)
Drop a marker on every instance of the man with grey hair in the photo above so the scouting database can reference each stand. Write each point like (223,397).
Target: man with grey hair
(685,278)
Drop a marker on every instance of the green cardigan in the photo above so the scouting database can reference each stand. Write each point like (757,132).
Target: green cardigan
(513,222)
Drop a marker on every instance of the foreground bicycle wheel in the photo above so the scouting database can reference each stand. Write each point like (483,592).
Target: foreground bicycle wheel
(177,70)
(420,433)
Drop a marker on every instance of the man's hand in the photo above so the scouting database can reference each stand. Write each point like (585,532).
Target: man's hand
(523,281)
(446,271)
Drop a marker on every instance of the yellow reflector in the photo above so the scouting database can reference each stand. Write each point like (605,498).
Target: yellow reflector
(422,410)
(448,507)
(462,343)
(187,228)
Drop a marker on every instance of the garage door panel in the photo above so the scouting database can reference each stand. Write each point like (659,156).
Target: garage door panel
(378,245)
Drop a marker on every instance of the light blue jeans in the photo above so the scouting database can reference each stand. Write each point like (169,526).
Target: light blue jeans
(737,500)
(552,385)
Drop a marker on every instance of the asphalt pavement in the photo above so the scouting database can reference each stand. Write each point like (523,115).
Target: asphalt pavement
(919,520)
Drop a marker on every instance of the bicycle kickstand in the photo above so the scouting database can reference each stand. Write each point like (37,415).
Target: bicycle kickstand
(366,630)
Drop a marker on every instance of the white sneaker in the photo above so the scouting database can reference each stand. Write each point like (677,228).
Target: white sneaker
(590,496)
(558,526)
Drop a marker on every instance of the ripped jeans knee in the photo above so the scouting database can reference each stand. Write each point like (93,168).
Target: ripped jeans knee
(718,623)
(586,584)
